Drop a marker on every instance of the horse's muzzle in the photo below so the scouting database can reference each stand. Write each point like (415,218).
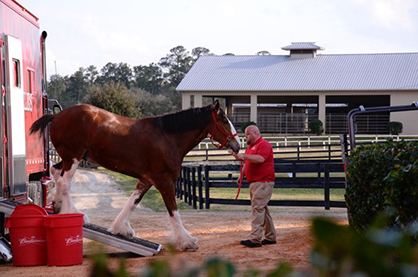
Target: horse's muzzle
(234,146)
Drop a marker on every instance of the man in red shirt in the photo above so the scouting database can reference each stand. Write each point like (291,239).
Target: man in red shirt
(259,171)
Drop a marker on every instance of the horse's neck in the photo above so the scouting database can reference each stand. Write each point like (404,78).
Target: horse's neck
(192,140)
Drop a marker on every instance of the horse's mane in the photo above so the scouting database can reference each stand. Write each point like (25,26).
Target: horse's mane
(183,121)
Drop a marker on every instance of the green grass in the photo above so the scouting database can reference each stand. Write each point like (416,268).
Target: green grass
(280,194)
(152,199)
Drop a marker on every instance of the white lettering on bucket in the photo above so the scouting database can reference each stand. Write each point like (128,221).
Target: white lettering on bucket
(73,240)
(32,240)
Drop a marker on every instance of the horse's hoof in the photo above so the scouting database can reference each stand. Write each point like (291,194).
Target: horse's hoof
(125,235)
(193,247)
(189,247)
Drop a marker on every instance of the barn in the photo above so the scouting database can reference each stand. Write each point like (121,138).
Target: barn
(284,93)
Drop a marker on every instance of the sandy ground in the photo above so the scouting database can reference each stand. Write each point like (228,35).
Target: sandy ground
(219,233)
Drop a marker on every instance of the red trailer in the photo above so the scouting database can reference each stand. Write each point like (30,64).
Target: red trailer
(24,159)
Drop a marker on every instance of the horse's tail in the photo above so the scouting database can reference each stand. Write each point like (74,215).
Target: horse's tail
(40,124)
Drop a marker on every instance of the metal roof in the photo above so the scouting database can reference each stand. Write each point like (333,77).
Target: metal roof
(397,71)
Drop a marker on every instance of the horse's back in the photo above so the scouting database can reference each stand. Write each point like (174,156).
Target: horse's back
(85,128)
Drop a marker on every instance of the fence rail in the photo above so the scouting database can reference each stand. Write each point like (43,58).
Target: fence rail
(195,183)
(292,147)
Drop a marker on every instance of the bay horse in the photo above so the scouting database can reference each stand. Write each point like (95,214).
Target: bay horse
(150,149)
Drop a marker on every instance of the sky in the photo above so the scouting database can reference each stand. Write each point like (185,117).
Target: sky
(139,32)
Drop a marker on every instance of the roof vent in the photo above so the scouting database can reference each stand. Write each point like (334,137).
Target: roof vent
(303,49)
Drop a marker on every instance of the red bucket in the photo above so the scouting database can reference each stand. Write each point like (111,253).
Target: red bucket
(28,235)
(64,234)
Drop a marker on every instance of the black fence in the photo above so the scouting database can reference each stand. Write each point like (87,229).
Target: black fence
(290,150)
(195,182)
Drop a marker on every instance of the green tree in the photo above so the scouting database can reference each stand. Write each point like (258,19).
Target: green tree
(153,105)
(200,51)
(92,74)
(149,78)
(76,88)
(116,73)
(263,53)
(176,65)
(56,87)
(115,98)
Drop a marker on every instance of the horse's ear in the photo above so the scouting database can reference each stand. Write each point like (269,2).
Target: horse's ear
(216,104)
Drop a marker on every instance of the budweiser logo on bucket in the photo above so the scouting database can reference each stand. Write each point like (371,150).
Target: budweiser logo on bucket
(73,240)
(32,240)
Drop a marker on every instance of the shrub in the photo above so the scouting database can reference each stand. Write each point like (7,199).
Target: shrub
(316,127)
(340,251)
(395,127)
(380,177)
(246,124)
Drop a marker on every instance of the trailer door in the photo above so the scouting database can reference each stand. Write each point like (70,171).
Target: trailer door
(15,113)
(3,91)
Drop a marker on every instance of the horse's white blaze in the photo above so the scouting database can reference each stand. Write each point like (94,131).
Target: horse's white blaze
(234,132)
(121,224)
(181,237)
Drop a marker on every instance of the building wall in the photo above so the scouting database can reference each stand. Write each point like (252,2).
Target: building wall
(408,119)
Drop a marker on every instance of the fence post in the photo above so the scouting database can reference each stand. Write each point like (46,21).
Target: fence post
(207,200)
(199,183)
(189,187)
(176,185)
(180,184)
(185,184)
(326,186)
(329,151)
(194,187)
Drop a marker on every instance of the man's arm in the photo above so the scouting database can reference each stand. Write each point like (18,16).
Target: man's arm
(257,159)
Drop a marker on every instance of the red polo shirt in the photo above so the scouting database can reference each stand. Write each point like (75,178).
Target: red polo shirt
(263,172)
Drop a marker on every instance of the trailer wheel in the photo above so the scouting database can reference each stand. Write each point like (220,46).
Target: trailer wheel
(35,193)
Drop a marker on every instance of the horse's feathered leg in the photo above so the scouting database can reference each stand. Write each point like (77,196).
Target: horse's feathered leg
(63,173)
(121,224)
(181,237)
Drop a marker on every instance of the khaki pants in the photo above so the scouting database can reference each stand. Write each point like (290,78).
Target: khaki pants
(260,195)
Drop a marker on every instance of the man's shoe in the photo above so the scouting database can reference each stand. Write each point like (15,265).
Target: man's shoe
(265,242)
(249,243)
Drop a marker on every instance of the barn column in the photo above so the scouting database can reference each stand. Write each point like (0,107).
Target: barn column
(253,112)
(198,100)
(321,109)
(185,101)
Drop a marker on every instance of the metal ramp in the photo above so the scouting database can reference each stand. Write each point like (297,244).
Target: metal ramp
(135,245)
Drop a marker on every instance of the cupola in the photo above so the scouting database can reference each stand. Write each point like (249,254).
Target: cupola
(303,49)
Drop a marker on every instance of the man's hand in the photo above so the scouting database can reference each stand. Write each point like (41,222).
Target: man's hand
(237,156)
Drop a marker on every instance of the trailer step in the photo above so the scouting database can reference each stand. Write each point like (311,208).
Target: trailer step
(135,245)
(7,206)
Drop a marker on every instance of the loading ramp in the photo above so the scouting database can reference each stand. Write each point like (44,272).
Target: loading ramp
(135,245)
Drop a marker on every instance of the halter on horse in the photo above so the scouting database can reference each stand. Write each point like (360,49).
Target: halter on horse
(151,150)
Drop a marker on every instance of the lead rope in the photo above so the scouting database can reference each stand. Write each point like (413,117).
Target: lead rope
(241,176)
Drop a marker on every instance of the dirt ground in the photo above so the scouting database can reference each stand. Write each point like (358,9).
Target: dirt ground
(219,233)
